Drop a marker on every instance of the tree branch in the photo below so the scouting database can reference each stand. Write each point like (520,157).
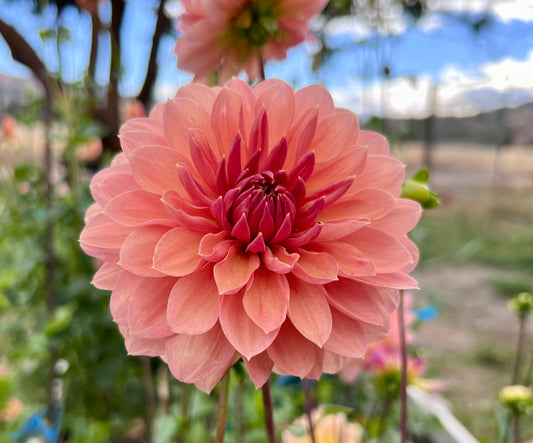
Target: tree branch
(23,53)
(161,26)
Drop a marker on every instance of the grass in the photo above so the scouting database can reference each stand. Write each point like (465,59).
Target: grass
(473,229)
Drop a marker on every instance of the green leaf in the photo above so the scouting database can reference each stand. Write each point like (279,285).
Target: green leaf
(421,176)
(60,320)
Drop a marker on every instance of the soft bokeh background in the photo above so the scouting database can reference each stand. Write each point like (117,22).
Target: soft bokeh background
(448,81)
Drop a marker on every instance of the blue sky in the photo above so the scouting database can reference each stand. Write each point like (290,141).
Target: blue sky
(441,49)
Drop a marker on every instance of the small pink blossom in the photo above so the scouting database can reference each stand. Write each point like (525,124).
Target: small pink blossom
(132,109)
(259,224)
(232,35)
(9,127)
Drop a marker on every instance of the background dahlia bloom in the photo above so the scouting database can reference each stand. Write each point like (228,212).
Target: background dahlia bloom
(259,224)
(231,35)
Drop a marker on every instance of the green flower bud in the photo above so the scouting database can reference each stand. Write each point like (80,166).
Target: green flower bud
(516,397)
(416,189)
(522,304)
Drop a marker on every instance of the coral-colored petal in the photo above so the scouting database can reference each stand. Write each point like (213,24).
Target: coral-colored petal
(365,204)
(401,219)
(278,260)
(107,276)
(215,247)
(293,353)
(396,280)
(147,315)
(266,299)
(247,338)
(194,357)
(309,311)
(154,168)
(332,362)
(137,252)
(314,96)
(120,297)
(259,368)
(235,270)
(347,336)
(374,142)
(336,230)
(334,133)
(102,232)
(225,119)
(176,253)
(354,299)
(381,172)
(136,207)
(350,261)
(388,254)
(315,267)
(193,305)
(143,346)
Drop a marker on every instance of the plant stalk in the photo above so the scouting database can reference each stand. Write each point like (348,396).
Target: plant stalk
(519,346)
(403,372)
(306,387)
(269,413)
(223,408)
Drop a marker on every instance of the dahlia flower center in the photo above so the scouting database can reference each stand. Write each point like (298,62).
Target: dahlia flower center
(255,24)
(263,209)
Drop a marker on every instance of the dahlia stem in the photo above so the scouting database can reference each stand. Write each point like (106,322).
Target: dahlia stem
(403,372)
(269,414)
(516,428)
(306,388)
(261,66)
(519,346)
(223,408)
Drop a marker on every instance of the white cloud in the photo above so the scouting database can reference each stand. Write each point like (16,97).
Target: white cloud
(503,83)
(504,10)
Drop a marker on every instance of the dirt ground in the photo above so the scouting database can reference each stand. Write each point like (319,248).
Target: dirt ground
(471,344)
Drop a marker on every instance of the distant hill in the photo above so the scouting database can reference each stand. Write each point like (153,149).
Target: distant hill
(505,125)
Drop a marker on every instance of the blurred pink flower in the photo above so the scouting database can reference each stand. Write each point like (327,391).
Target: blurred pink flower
(9,127)
(132,109)
(239,34)
(91,6)
(12,410)
(255,223)
(90,151)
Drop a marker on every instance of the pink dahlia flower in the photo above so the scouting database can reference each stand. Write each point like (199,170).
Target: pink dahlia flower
(259,224)
(231,35)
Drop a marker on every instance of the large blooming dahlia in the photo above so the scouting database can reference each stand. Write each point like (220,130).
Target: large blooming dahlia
(259,224)
(231,35)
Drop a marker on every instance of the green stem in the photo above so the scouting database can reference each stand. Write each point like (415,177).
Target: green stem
(403,373)
(306,387)
(269,414)
(384,415)
(516,428)
(519,346)
(223,408)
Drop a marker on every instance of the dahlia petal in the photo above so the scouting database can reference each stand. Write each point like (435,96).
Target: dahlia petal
(365,204)
(234,160)
(121,296)
(106,277)
(193,305)
(176,203)
(194,357)
(350,261)
(143,346)
(374,142)
(277,98)
(102,232)
(304,237)
(346,163)
(347,336)
(381,172)
(247,338)
(196,191)
(235,270)
(179,115)
(313,97)
(332,362)
(201,94)
(388,254)
(136,207)
(277,259)
(215,247)
(181,213)
(258,137)
(154,168)
(106,186)
(395,280)
(248,100)
(207,384)
(336,230)
(413,251)
(147,315)
(92,211)
(309,311)
(277,156)
(315,267)
(293,353)
(257,244)
(225,119)
(334,133)
(241,230)
(176,253)
(259,368)
(301,135)
(401,219)
(355,300)
(139,132)
(136,254)
(266,300)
